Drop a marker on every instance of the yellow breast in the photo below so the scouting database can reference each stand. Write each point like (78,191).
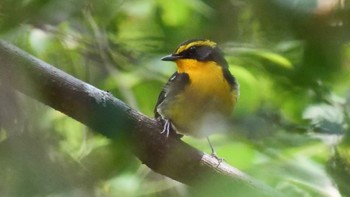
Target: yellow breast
(208,95)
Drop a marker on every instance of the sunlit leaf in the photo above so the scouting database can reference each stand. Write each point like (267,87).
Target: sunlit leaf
(250,90)
(326,118)
(274,58)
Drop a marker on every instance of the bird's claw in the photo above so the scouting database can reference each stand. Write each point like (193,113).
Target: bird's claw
(166,128)
(214,155)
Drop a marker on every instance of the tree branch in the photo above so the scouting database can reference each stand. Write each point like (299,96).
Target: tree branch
(111,117)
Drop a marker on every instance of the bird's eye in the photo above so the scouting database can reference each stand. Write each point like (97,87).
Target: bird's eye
(192,48)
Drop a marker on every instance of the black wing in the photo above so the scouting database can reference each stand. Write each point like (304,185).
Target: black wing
(175,85)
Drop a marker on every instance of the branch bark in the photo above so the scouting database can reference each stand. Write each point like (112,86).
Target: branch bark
(112,118)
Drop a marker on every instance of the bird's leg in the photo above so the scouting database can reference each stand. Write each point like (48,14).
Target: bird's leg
(213,152)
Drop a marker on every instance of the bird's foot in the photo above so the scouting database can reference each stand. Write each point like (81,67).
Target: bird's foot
(169,130)
(166,128)
(214,155)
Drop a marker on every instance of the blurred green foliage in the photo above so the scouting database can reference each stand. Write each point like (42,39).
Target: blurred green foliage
(290,128)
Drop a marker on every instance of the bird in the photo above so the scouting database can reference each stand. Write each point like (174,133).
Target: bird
(201,95)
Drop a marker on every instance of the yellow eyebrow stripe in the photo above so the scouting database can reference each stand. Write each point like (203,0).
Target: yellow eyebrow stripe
(200,43)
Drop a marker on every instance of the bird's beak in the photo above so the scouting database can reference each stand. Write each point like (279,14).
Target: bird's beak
(171,57)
